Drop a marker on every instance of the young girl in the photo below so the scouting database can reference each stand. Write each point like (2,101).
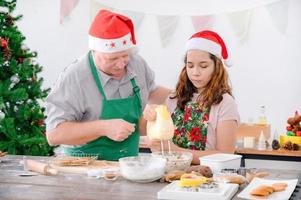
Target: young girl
(202,106)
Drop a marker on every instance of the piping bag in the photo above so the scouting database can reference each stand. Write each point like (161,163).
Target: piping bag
(162,128)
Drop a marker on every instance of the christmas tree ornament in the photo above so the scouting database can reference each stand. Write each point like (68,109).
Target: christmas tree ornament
(9,20)
(29,101)
(4,43)
(40,122)
(6,63)
(20,102)
(20,60)
(11,86)
(2,115)
(7,54)
(15,79)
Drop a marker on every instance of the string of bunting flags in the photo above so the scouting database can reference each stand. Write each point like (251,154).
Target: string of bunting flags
(203,13)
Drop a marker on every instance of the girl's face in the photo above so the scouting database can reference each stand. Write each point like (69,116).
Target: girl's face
(199,67)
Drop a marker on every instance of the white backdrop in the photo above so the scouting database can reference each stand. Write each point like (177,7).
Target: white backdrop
(267,67)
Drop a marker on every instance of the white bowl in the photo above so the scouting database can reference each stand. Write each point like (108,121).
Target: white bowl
(176,160)
(220,161)
(142,168)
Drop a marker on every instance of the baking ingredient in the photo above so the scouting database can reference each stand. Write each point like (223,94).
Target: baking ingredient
(162,128)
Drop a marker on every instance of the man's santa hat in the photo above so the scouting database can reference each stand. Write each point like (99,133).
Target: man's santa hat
(111,32)
(211,42)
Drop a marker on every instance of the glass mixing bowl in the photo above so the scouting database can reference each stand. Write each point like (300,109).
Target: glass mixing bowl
(142,168)
(176,160)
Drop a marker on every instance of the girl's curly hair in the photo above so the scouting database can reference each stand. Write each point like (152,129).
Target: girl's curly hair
(213,91)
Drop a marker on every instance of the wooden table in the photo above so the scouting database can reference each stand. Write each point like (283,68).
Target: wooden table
(269,154)
(76,186)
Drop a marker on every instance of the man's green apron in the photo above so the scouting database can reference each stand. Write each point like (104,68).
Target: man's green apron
(128,109)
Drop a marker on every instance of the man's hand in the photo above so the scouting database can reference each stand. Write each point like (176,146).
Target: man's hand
(118,129)
(149,113)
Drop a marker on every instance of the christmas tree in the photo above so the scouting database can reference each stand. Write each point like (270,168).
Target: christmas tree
(22,128)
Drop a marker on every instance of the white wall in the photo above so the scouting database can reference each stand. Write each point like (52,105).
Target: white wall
(267,68)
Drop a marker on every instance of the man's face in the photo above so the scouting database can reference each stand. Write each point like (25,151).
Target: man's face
(113,64)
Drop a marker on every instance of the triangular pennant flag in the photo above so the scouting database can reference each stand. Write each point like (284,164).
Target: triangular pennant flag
(95,7)
(279,14)
(66,8)
(240,22)
(137,17)
(202,22)
(167,27)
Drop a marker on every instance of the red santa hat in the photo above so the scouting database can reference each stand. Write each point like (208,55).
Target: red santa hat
(211,42)
(111,32)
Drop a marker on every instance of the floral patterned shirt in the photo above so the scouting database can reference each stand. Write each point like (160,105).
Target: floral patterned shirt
(191,126)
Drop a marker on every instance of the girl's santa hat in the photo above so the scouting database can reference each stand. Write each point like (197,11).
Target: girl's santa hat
(211,42)
(111,32)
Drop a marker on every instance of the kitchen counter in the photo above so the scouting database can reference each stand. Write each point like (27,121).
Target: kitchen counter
(268,154)
(78,186)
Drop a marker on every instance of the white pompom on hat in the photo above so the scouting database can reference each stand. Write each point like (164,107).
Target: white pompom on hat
(211,42)
(111,32)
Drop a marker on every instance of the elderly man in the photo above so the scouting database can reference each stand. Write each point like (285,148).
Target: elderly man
(97,102)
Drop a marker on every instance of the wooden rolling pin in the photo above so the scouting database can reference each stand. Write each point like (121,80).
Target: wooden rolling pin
(39,167)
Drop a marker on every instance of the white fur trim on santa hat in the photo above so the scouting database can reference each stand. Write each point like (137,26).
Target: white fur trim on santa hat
(205,45)
(228,62)
(110,45)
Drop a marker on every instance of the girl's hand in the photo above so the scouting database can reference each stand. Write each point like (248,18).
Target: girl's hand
(155,145)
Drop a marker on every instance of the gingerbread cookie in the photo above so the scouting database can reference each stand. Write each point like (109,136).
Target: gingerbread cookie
(262,190)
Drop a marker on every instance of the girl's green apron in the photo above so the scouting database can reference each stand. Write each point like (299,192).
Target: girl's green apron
(128,109)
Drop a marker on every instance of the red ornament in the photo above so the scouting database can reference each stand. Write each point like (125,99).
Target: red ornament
(20,60)
(298,133)
(4,43)
(289,128)
(40,122)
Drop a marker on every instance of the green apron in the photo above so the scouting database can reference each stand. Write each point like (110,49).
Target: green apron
(128,109)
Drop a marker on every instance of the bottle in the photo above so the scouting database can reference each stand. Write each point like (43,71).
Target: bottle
(262,120)
(261,142)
